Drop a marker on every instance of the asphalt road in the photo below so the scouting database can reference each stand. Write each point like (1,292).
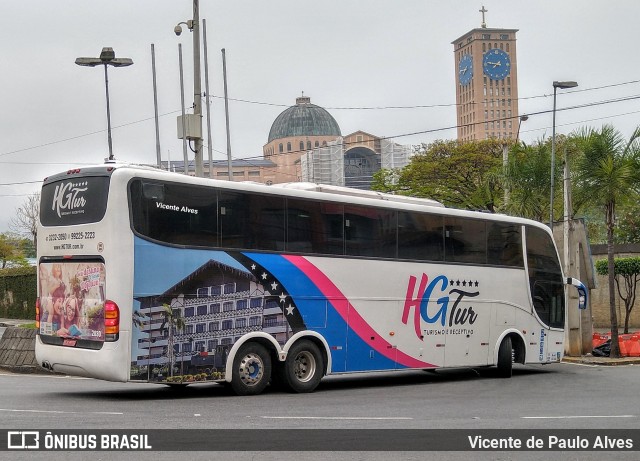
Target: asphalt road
(562,396)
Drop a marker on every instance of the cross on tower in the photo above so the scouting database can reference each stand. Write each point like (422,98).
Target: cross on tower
(483,11)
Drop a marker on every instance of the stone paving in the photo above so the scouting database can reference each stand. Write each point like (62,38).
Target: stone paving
(17,348)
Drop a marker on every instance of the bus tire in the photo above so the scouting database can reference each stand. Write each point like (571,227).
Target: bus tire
(251,369)
(303,369)
(505,358)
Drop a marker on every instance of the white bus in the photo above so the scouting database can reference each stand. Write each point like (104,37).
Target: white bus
(146,275)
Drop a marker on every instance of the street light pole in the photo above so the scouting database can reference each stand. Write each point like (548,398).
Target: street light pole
(574,321)
(562,86)
(107,58)
(523,118)
(505,154)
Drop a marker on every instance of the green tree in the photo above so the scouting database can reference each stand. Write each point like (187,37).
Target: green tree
(528,179)
(628,224)
(10,251)
(626,272)
(25,221)
(458,174)
(386,180)
(27,248)
(607,175)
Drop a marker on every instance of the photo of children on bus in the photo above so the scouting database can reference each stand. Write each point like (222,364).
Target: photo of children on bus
(66,294)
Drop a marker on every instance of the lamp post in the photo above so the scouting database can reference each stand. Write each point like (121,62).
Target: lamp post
(562,86)
(107,58)
(574,319)
(505,154)
(523,118)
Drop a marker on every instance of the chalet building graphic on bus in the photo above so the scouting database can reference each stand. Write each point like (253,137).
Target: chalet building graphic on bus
(214,306)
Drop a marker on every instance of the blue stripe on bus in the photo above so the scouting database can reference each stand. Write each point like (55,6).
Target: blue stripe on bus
(349,352)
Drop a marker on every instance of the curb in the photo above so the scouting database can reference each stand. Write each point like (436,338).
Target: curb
(603,361)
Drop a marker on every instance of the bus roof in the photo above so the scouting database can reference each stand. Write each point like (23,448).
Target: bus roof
(299,190)
(351,192)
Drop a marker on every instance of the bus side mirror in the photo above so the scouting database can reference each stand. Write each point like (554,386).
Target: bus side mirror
(582,291)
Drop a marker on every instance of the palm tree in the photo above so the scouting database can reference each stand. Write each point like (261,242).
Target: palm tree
(172,319)
(607,175)
(528,179)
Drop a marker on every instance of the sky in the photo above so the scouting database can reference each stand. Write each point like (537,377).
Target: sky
(382,66)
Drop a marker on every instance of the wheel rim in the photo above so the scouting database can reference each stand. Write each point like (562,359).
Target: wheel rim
(251,369)
(304,367)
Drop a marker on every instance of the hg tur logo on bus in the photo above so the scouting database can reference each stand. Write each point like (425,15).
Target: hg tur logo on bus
(67,197)
(432,303)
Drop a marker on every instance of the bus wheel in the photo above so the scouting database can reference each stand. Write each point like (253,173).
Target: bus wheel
(304,367)
(505,358)
(251,369)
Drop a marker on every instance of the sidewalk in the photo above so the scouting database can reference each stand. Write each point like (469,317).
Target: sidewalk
(608,361)
(4,323)
(13,322)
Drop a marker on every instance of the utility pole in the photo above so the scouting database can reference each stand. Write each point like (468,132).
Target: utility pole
(197,87)
(193,129)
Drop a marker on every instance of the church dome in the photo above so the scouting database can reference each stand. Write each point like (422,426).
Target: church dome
(304,119)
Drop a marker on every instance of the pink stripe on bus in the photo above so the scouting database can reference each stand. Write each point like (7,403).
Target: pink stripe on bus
(353,318)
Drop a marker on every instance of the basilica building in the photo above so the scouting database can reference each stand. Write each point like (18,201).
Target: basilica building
(305,143)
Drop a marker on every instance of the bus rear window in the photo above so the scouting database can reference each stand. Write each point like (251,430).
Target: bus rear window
(77,200)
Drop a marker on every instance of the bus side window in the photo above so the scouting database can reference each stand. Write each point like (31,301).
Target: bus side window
(420,236)
(333,225)
(504,245)
(300,225)
(232,220)
(465,240)
(266,223)
(307,229)
(370,232)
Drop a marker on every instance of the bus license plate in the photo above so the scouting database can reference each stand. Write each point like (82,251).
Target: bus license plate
(69,342)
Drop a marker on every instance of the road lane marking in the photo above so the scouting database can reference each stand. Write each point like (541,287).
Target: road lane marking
(582,364)
(578,416)
(12,410)
(358,418)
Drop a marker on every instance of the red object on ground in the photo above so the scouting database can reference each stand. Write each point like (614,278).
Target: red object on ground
(600,338)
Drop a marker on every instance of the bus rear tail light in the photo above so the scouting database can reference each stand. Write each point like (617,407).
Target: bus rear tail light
(111,321)
(38,315)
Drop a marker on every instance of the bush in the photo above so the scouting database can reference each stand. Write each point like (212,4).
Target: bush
(18,288)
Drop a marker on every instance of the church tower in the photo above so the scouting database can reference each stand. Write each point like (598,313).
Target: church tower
(486,83)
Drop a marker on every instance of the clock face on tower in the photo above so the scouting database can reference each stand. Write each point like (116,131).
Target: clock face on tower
(465,70)
(496,64)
